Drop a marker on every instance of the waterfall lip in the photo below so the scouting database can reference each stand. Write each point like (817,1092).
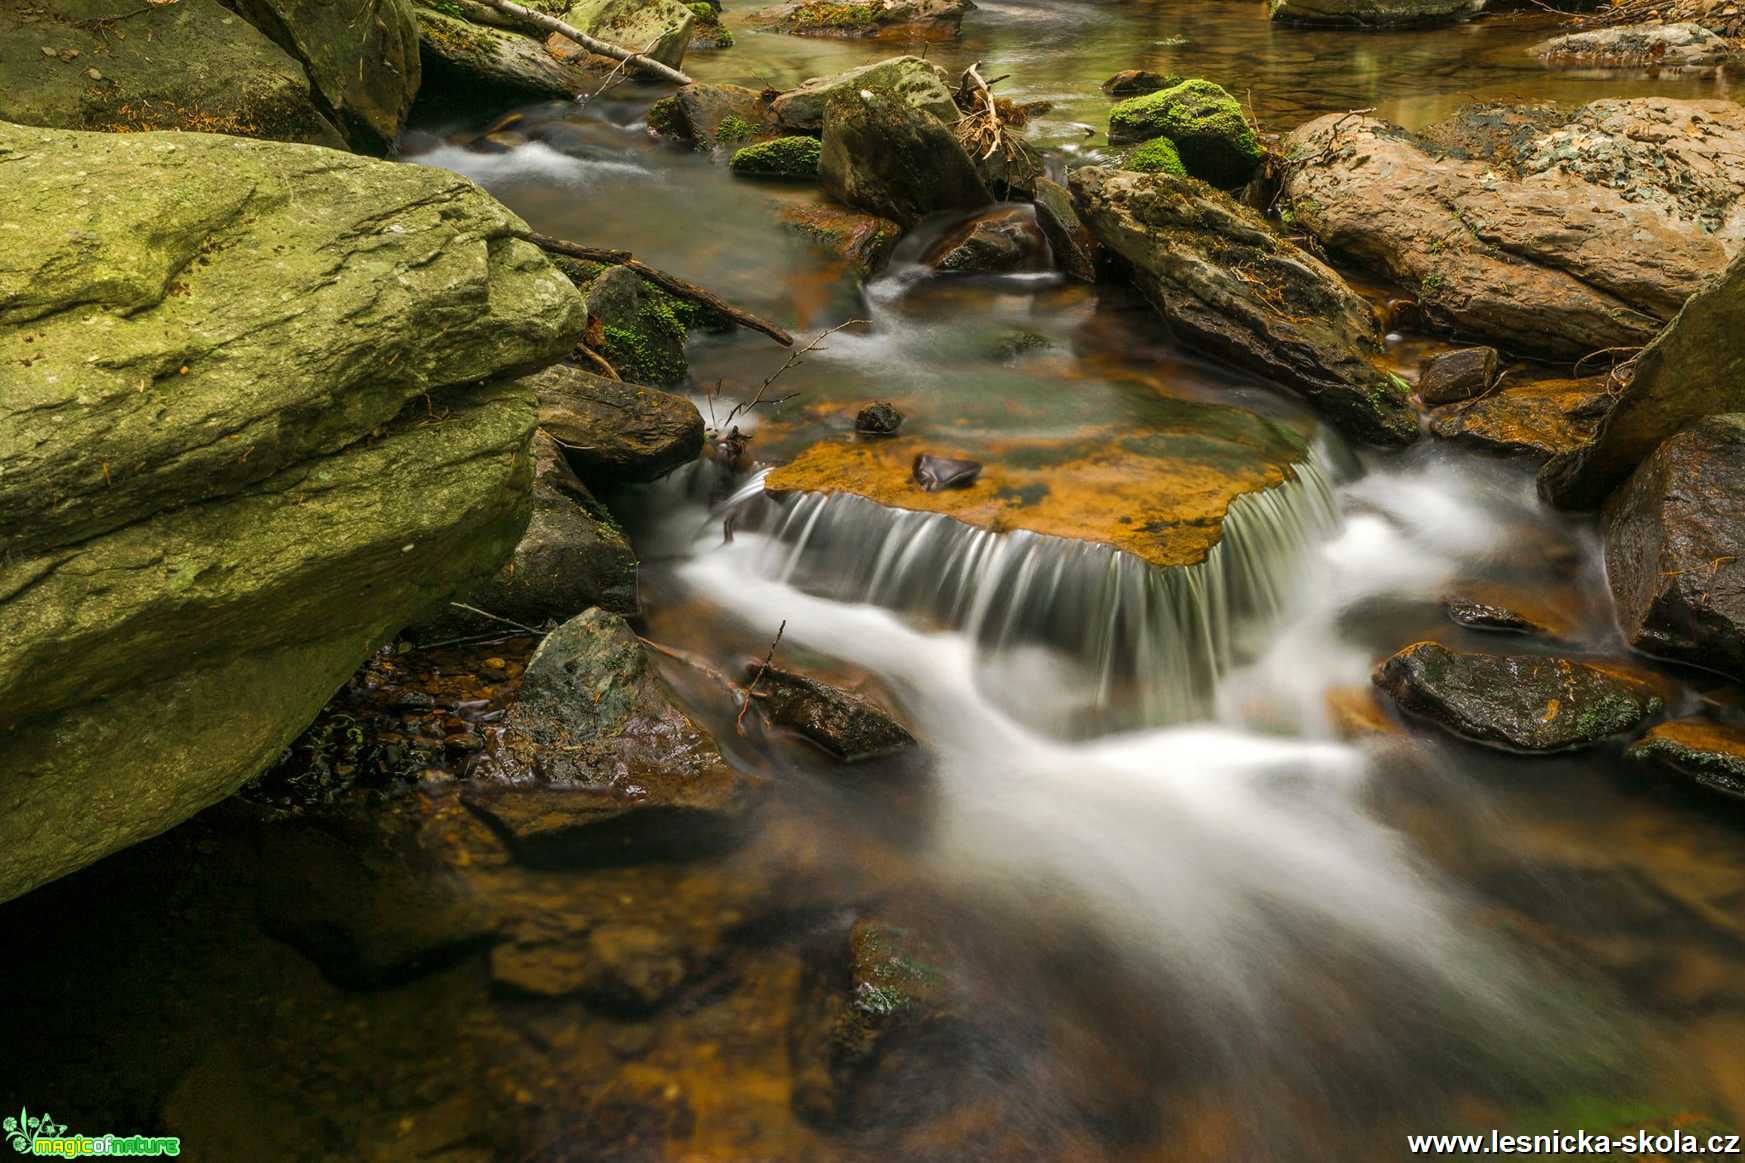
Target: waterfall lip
(1151,641)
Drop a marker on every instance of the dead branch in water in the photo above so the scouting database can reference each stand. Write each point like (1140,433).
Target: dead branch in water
(550,24)
(739,723)
(794,358)
(989,127)
(683,288)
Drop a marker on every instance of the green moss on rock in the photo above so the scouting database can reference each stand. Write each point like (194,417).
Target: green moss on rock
(1204,123)
(785,157)
(1156,156)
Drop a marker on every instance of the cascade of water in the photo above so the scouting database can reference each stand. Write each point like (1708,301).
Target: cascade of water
(1149,644)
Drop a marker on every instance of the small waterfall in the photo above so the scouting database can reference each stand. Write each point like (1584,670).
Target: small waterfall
(1148,644)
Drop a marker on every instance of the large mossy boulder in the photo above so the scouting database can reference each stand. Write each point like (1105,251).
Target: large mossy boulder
(921,83)
(462,58)
(660,29)
(361,58)
(1675,548)
(1374,13)
(1546,233)
(1212,138)
(1693,368)
(1518,702)
(263,413)
(123,66)
(884,155)
(1221,278)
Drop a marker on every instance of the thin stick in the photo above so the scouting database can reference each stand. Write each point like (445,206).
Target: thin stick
(692,661)
(794,358)
(496,617)
(739,723)
(603,48)
(600,361)
(683,288)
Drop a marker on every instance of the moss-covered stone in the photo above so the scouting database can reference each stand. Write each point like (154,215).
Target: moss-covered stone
(1155,156)
(644,338)
(708,32)
(1205,123)
(920,82)
(795,158)
(296,437)
(461,59)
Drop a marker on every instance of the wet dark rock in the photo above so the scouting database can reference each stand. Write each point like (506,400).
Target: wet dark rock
(1675,548)
(355,891)
(875,1010)
(1694,368)
(878,419)
(708,114)
(621,773)
(1292,318)
(615,433)
(1535,418)
(1138,82)
(883,155)
(1454,376)
(573,556)
(1530,703)
(1006,240)
(1705,753)
(846,725)
(1073,247)
(904,19)
(1484,616)
(934,473)
(860,239)
(1566,238)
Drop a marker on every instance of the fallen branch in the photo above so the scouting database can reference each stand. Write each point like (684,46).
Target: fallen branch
(603,48)
(683,288)
(793,358)
(739,723)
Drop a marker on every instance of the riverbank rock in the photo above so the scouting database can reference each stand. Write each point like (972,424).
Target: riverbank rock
(884,155)
(1705,753)
(846,725)
(1292,319)
(1535,418)
(1005,240)
(879,19)
(193,65)
(864,241)
(1374,13)
(1526,702)
(792,159)
(659,29)
(921,83)
(1588,233)
(362,60)
(1675,548)
(462,59)
(1454,376)
(1693,368)
(707,115)
(1638,46)
(616,433)
(572,557)
(602,764)
(1136,82)
(1205,124)
(224,489)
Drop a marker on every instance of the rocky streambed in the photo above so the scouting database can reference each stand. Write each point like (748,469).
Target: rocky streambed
(1178,602)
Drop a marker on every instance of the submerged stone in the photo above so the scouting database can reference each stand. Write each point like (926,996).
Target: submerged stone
(1535,418)
(846,725)
(1523,702)
(1004,240)
(860,239)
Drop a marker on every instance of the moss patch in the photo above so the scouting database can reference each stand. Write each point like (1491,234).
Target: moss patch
(1156,156)
(1204,123)
(794,158)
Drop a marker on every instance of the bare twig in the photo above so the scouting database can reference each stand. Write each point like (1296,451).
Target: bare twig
(496,617)
(739,723)
(549,24)
(793,358)
(600,361)
(683,288)
(692,661)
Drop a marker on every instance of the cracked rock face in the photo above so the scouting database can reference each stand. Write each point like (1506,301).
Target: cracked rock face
(261,411)
(1547,235)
